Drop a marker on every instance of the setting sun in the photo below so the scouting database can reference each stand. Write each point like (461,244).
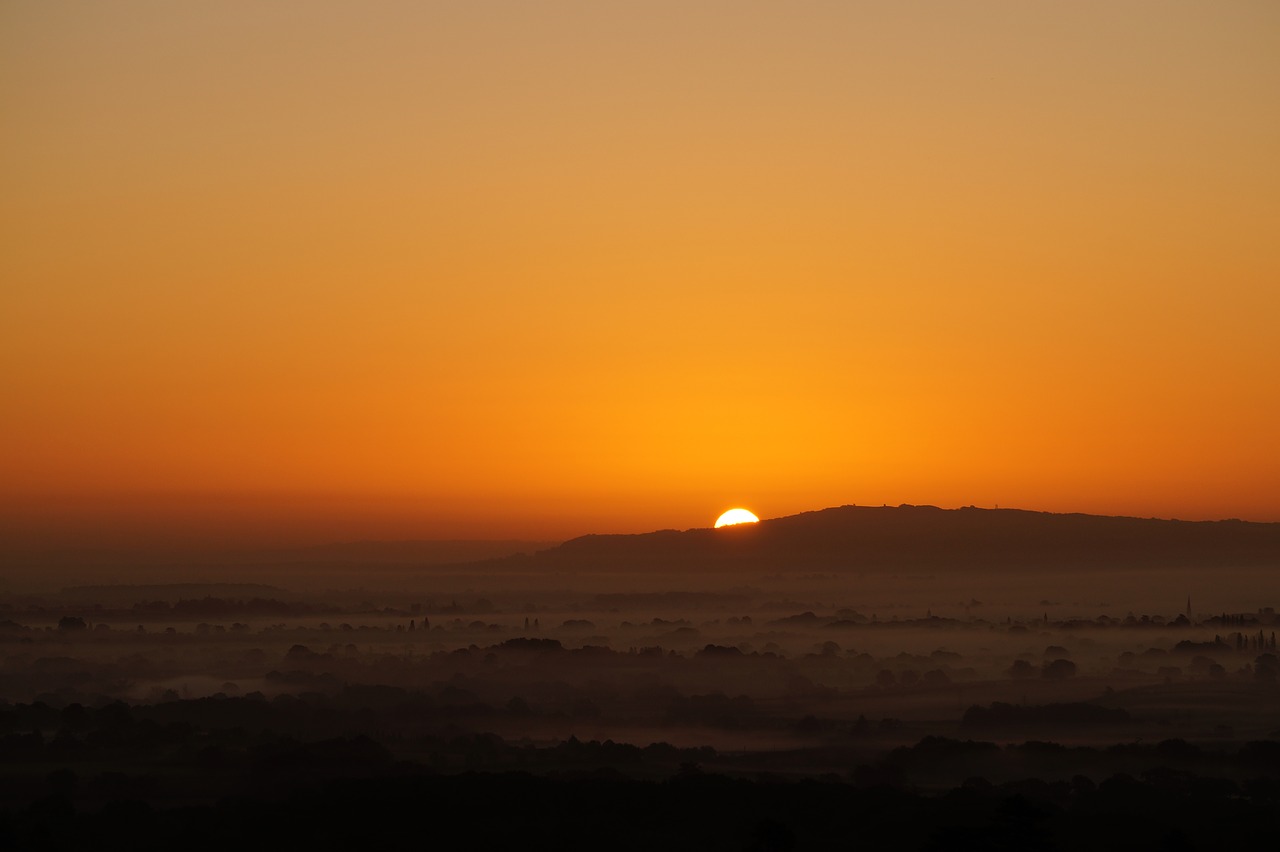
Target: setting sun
(736,516)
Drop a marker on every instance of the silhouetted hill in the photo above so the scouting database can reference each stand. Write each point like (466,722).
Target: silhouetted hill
(863,538)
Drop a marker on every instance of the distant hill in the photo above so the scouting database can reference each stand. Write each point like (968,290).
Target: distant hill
(199,561)
(863,538)
(405,552)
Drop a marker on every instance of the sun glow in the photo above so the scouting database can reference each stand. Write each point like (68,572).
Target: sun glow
(736,516)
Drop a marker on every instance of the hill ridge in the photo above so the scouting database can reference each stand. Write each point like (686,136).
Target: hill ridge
(860,538)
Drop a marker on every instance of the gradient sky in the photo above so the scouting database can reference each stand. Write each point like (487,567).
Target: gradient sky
(320,270)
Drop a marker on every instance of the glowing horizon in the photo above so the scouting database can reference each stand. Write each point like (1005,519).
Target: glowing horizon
(425,271)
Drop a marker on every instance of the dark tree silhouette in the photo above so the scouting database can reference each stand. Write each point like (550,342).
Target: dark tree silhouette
(1059,669)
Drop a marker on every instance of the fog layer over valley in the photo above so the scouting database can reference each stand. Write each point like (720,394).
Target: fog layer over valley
(1047,683)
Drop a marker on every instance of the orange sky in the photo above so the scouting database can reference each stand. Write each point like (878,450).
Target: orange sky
(335,270)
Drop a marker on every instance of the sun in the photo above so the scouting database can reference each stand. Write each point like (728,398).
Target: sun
(736,516)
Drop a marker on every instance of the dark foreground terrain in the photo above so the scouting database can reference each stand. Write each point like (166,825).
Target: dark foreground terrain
(389,804)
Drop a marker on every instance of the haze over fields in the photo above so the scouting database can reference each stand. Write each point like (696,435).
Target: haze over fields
(1015,659)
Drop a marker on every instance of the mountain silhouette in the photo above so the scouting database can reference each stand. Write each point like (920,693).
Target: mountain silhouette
(864,538)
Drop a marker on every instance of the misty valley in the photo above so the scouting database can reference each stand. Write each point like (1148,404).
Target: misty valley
(500,704)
